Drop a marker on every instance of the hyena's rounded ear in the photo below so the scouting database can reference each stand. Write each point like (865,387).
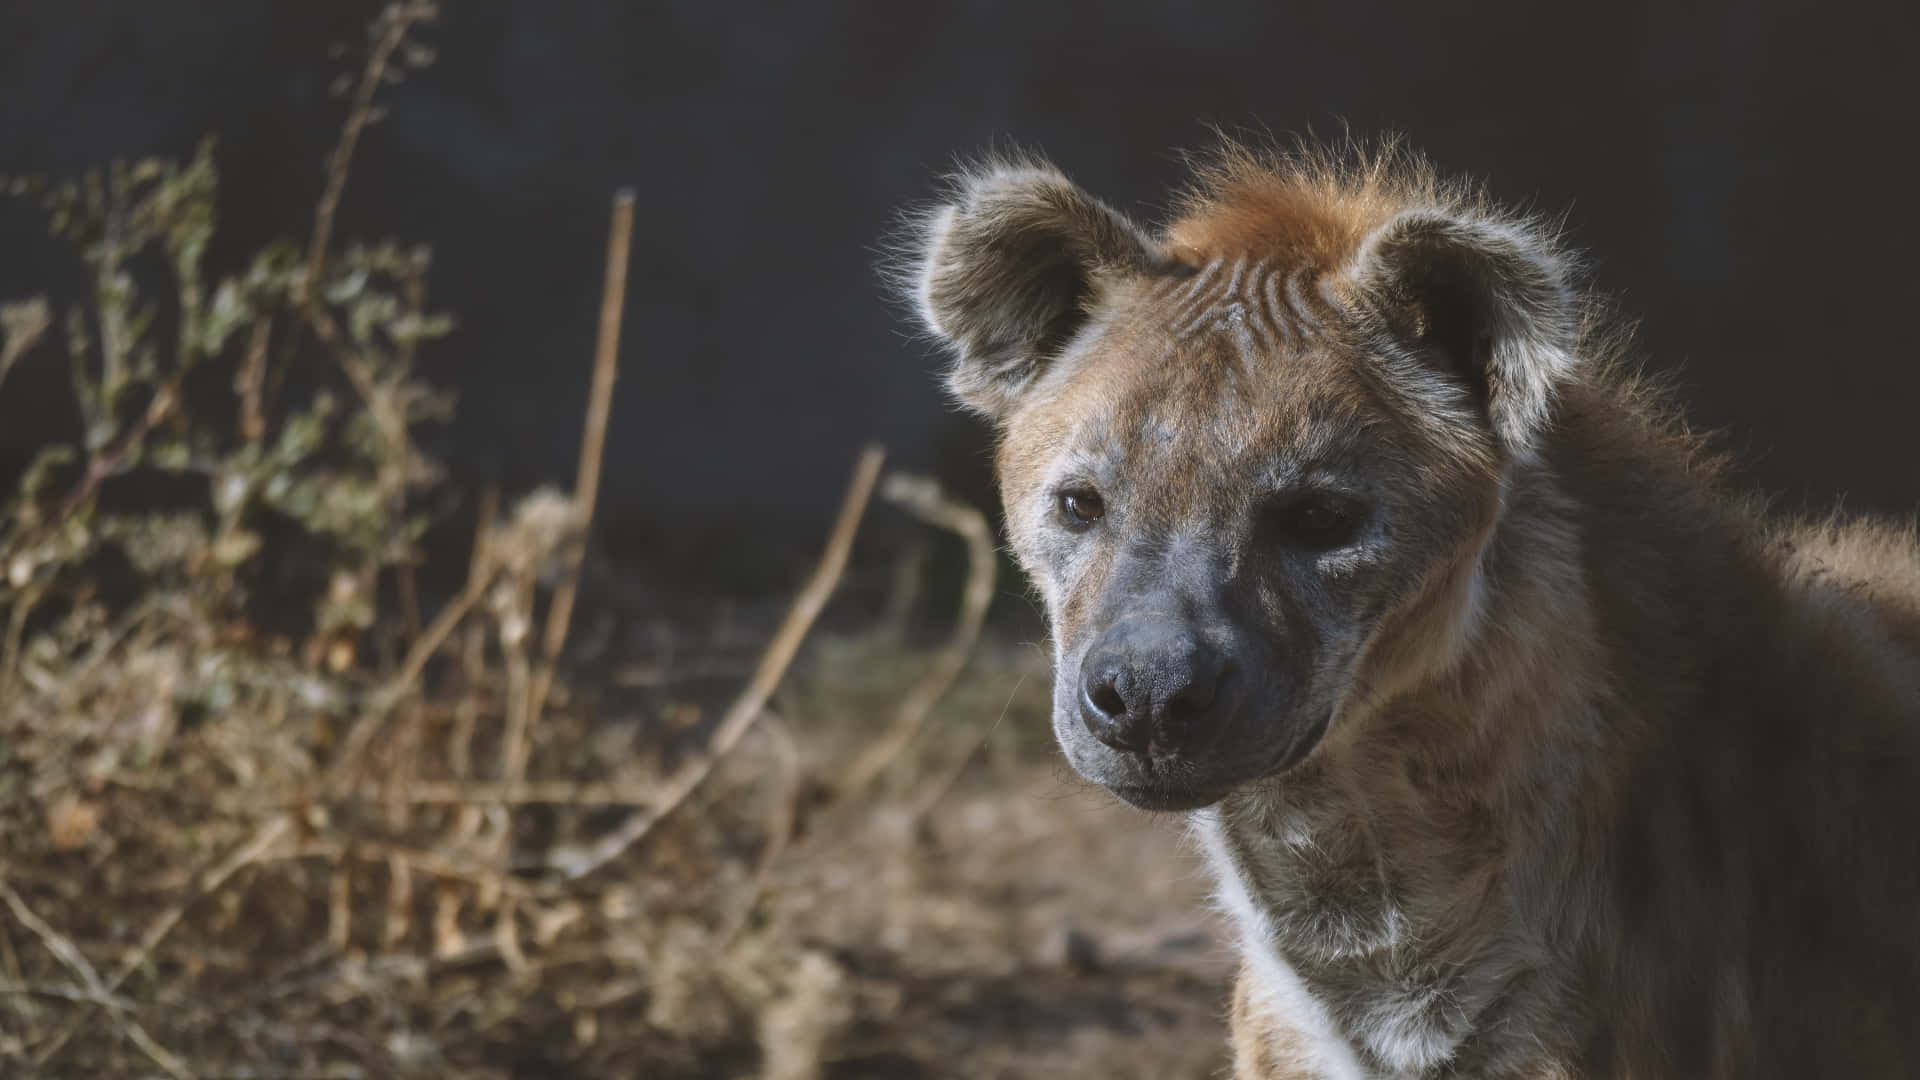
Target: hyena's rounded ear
(1491,302)
(1005,270)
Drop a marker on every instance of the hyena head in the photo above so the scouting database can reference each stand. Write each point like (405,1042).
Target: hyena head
(1250,461)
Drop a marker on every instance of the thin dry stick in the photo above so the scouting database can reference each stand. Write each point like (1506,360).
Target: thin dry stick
(254,849)
(527,793)
(62,948)
(593,442)
(399,902)
(505,793)
(448,899)
(431,863)
(780,819)
(409,598)
(404,761)
(392,26)
(409,671)
(506,937)
(466,714)
(22,324)
(340,905)
(480,575)
(513,744)
(10,964)
(24,602)
(75,961)
(113,460)
(250,382)
(395,23)
(922,497)
(575,862)
(20,989)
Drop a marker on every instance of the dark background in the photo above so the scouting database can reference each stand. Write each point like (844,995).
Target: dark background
(1740,171)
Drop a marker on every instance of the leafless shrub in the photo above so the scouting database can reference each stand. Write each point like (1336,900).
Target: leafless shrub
(375,840)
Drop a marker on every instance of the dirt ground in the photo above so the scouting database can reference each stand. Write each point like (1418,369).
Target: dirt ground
(1020,933)
(985,914)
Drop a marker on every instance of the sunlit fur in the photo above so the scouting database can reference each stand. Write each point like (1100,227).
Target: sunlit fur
(1622,777)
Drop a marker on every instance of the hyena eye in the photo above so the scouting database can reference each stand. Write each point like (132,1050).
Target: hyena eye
(1081,507)
(1317,521)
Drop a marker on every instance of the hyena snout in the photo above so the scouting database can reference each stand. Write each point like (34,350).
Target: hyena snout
(1154,688)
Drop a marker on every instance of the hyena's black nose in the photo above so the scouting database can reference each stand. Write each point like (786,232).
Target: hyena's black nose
(1147,688)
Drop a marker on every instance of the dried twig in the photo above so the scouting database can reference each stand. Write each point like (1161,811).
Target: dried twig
(506,937)
(528,686)
(431,863)
(404,680)
(593,442)
(399,902)
(448,899)
(24,602)
(255,848)
(68,993)
(114,458)
(780,821)
(574,862)
(389,30)
(922,497)
(250,382)
(466,714)
(62,948)
(340,905)
(22,324)
(392,26)
(515,619)
(527,793)
(96,992)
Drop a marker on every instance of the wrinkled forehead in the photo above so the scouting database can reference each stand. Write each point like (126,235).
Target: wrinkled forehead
(1234,372)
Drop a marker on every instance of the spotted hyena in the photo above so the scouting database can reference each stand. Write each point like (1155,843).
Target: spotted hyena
(1519,744)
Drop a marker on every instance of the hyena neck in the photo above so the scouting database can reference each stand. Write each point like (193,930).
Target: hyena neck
(1377,886)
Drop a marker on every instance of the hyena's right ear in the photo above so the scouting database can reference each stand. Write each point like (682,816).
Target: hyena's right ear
(1004,273)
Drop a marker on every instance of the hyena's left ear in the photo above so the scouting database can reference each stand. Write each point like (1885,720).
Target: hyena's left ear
(1490,302)
(1005,271)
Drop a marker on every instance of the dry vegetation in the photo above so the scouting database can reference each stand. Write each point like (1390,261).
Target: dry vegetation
(377,841)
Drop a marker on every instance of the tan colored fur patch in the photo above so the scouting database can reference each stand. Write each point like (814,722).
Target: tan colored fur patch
(1306,209)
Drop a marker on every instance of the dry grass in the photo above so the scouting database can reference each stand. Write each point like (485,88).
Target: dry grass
(370,842)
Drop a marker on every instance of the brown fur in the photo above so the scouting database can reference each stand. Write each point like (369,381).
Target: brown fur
(1618,776)
(1305,209)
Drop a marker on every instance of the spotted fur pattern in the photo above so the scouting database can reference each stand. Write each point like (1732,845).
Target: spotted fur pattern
(1593,768)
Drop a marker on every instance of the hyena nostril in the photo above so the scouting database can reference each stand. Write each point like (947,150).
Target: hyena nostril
(1105,710)
(1108,700)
